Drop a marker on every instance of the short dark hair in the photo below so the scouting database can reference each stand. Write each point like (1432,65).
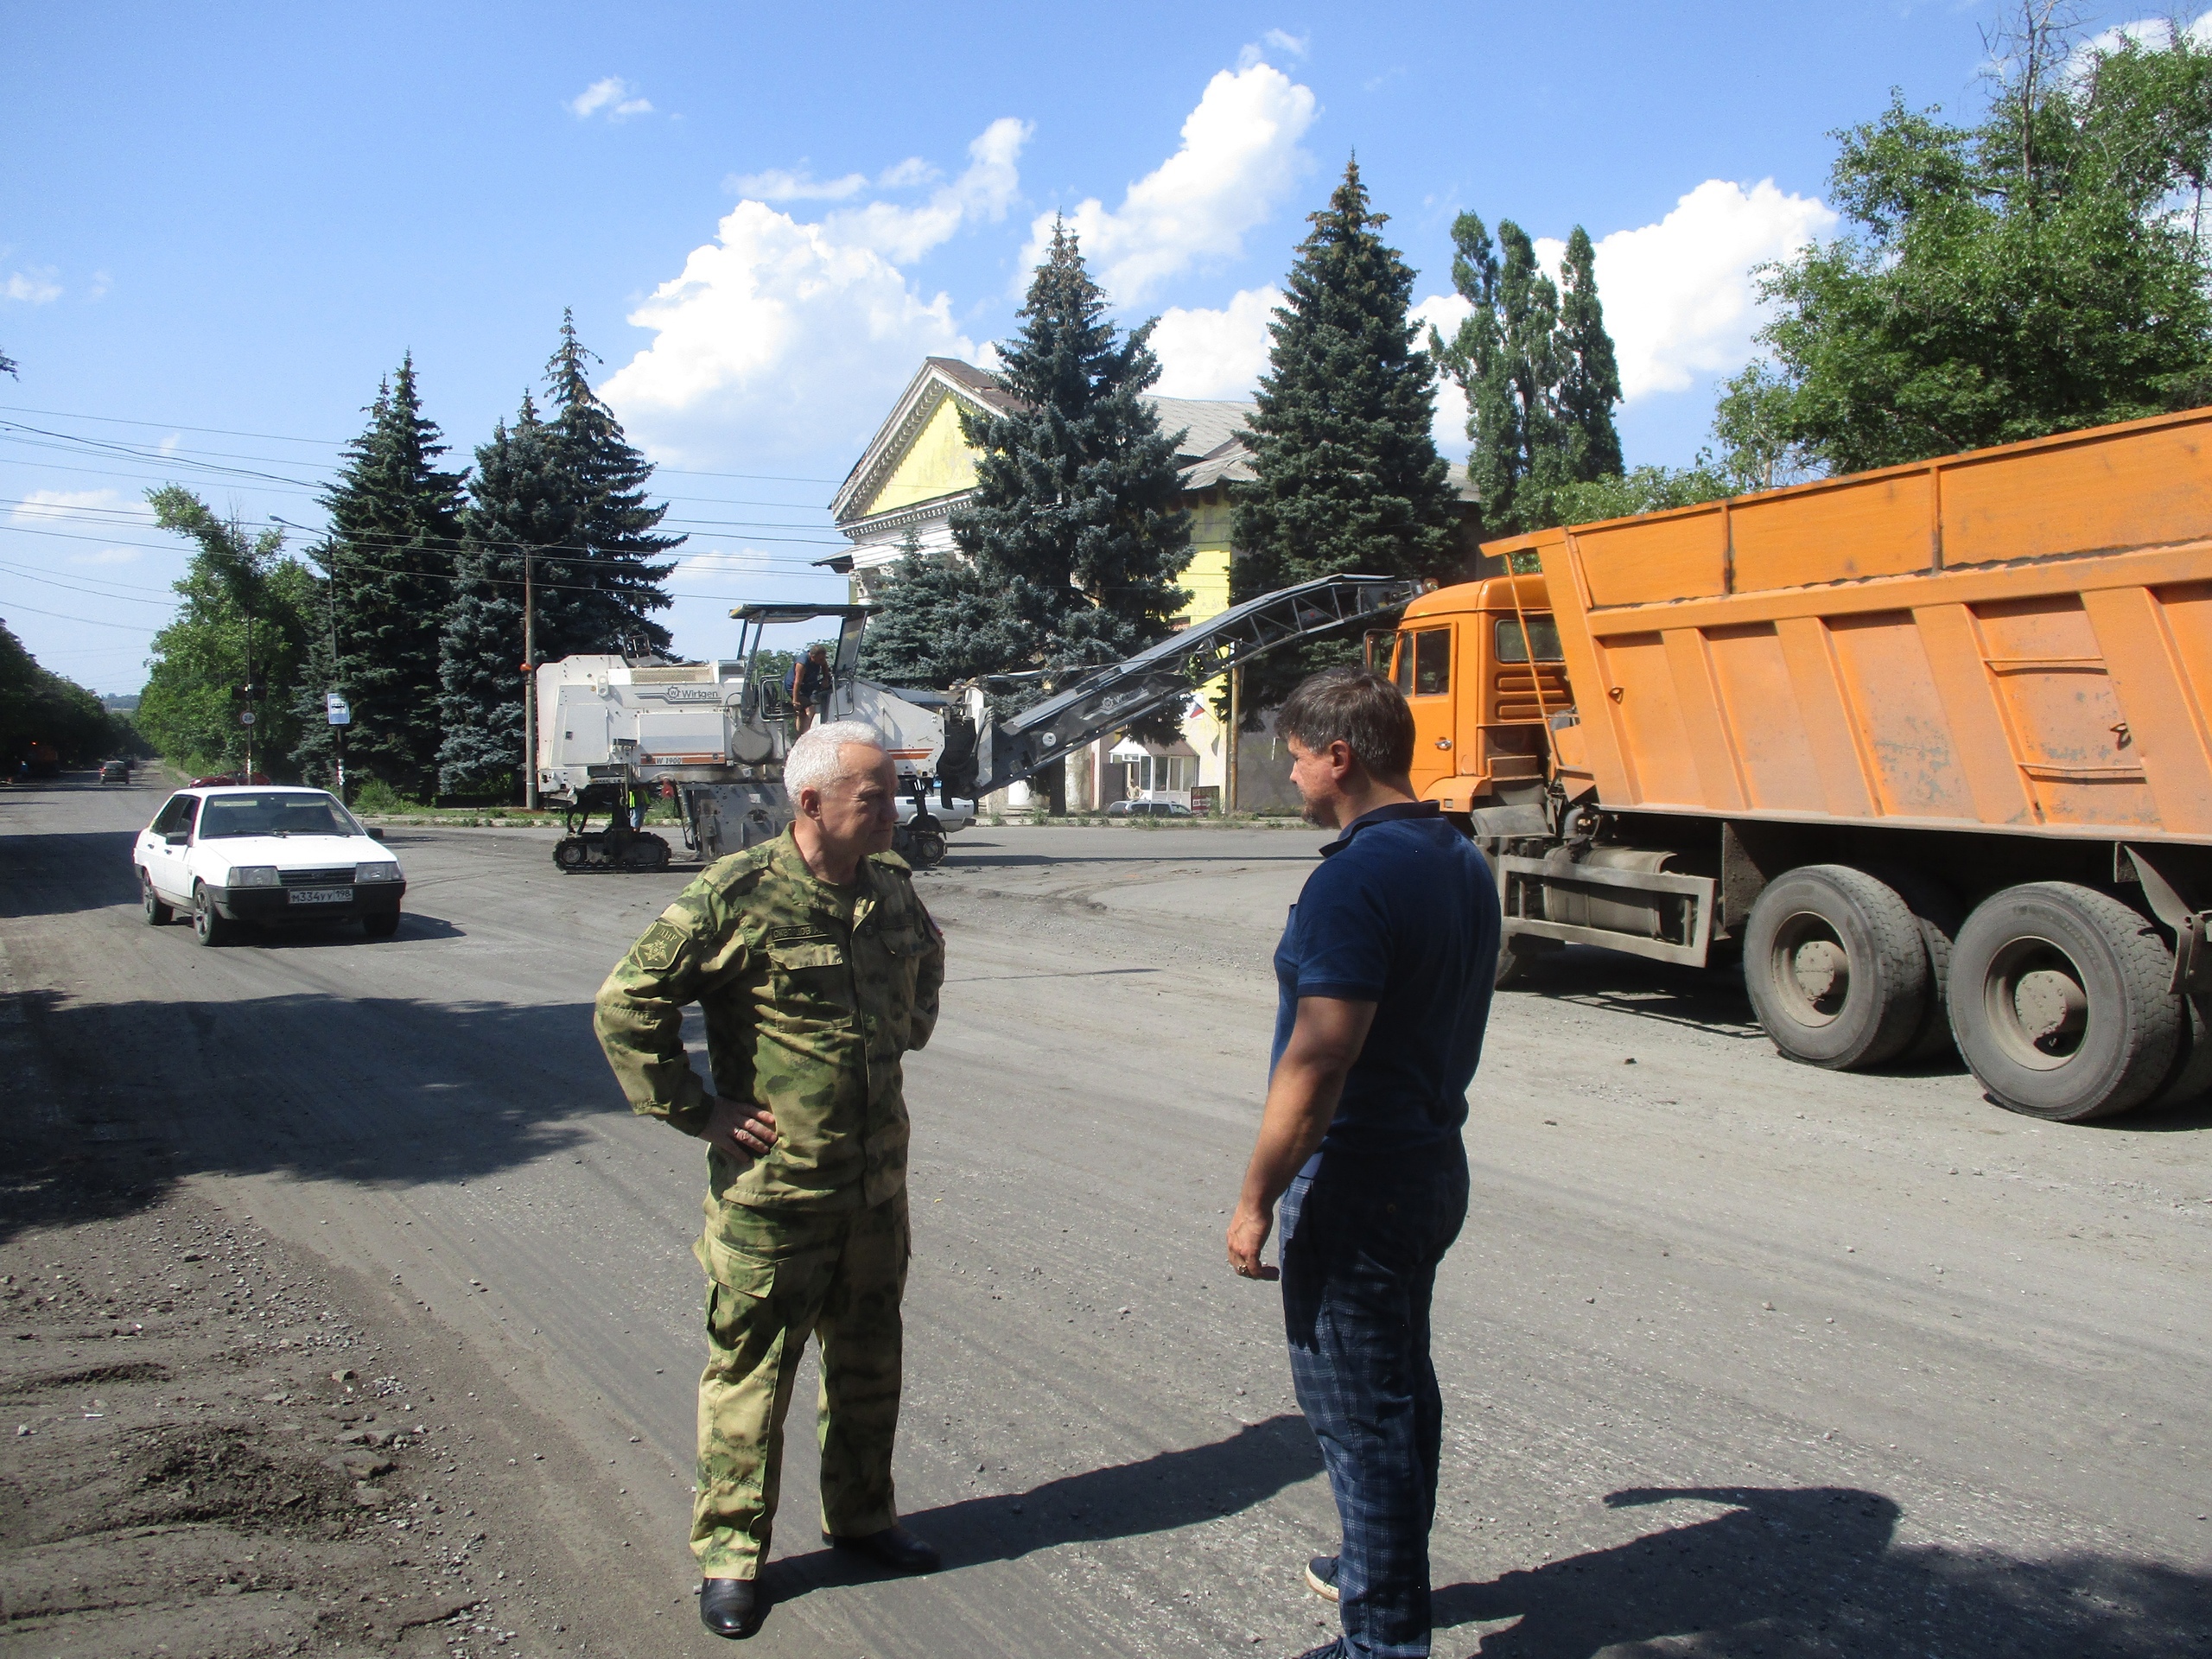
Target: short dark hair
(1355,707)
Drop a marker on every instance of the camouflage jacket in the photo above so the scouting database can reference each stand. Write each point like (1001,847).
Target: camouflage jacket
(810,994)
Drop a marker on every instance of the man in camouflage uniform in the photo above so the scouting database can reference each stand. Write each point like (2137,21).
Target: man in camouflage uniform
(817,968)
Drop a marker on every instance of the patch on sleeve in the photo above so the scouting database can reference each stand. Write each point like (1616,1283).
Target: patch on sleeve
(662,943)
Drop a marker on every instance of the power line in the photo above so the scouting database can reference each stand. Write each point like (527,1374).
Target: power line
(340,443)
(90,621)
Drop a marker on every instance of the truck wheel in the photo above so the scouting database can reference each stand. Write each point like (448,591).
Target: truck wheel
(1836,967)
(1940,915)
(158,914)
(2192,1068)
(208,926)
(1517,954)
(570,853)
(2059,1002)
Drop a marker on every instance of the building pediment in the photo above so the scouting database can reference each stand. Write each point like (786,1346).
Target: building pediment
(919,453)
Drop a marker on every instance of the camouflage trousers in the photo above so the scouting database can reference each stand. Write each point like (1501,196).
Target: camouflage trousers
(776,1278)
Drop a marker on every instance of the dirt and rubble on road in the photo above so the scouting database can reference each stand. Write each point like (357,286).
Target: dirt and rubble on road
(216,1444)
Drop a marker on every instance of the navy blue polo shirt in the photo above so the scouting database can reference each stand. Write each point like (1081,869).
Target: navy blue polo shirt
(1402,912)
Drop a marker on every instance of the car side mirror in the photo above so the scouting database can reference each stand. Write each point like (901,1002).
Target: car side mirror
(376,832)
(176,838)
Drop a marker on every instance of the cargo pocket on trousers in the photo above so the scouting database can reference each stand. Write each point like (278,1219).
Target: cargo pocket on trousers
(734,1269)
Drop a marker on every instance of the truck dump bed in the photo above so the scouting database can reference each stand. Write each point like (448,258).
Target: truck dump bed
(2016,638)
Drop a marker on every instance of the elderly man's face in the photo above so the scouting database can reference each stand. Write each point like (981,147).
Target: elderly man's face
(857,814)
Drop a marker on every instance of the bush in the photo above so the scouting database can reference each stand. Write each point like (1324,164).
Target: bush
(378,795)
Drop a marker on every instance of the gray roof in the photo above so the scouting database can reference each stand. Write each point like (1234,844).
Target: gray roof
(1205,423)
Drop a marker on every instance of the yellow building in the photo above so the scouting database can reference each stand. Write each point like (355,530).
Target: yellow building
(918,469)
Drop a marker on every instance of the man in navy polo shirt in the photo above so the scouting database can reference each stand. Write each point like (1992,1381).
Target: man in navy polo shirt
(1386,968)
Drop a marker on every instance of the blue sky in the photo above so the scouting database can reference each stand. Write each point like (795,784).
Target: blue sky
(220,227)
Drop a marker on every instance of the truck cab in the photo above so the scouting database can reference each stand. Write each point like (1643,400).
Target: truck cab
(1481,667)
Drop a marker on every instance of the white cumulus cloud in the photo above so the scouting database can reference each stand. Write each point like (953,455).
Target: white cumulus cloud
(1444,313)
(1239,158)
(106,556)
(721,567)
(984,192)
(612,96)
(778,185)
(79,507)
(777,342)
(34,286)
(1216,353)
(1679,298)
(786,341)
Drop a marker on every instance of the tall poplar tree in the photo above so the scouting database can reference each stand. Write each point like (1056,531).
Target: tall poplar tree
(618,571)
(388,564)
(1077,519)
(1538,369)
(1348,478)
(521,504)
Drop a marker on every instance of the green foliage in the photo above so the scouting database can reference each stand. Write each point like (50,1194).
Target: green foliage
(1347,476)
(1642,489)
(2041,271)
(616,571)
(39,706)
(8,366)
(248,614)
(940,621)
(378,795)
(395,530)
(1539,371)
(521,496)
(1076,530)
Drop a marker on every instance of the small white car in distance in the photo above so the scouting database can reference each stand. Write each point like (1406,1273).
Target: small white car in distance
(265,854)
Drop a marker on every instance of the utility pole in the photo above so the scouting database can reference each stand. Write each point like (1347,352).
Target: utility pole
(1236,723)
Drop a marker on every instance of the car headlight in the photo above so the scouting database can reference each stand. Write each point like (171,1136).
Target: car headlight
(251,875)
(370,872)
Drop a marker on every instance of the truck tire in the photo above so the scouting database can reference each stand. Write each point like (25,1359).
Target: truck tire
(1940,915)
(1517,954)
(2059,1002)
(2192,1068)
(1836,967)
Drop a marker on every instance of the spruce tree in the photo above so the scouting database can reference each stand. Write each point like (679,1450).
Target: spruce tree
(937,621)
(1076,525)
(388,561)
(521,504)
(619,569)
(1348,478)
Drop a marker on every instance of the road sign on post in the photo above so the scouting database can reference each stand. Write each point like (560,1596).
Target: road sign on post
(245,717)
(340,711)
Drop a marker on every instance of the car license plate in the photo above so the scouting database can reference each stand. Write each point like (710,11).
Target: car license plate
(322,895)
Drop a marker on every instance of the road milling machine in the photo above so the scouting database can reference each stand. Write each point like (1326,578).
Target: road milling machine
(612,733)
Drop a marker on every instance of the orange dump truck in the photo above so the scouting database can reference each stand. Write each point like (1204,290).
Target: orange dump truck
(1928,749)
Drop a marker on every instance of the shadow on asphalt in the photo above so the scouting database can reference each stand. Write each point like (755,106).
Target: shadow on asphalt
(1808,1570)
(63,875)
(1128,1500)
(371,1089)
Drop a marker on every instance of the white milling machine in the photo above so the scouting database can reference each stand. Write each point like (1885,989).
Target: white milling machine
(611,732)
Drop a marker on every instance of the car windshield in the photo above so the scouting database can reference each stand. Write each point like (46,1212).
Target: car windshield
(291,812)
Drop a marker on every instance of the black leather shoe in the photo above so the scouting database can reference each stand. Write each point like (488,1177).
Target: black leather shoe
(732,1607)
(894,1548)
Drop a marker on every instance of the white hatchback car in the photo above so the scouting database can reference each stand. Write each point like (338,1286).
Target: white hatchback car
(269,854)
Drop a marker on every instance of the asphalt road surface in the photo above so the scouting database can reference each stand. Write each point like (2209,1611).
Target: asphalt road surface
(1738,1358)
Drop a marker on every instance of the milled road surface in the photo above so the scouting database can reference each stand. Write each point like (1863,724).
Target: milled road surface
(1738,1358)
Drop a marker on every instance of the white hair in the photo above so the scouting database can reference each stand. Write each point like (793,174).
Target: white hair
(817,760)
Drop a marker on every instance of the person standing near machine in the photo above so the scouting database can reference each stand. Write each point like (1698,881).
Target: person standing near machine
(1385,970)
(810,686)
(817,968)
